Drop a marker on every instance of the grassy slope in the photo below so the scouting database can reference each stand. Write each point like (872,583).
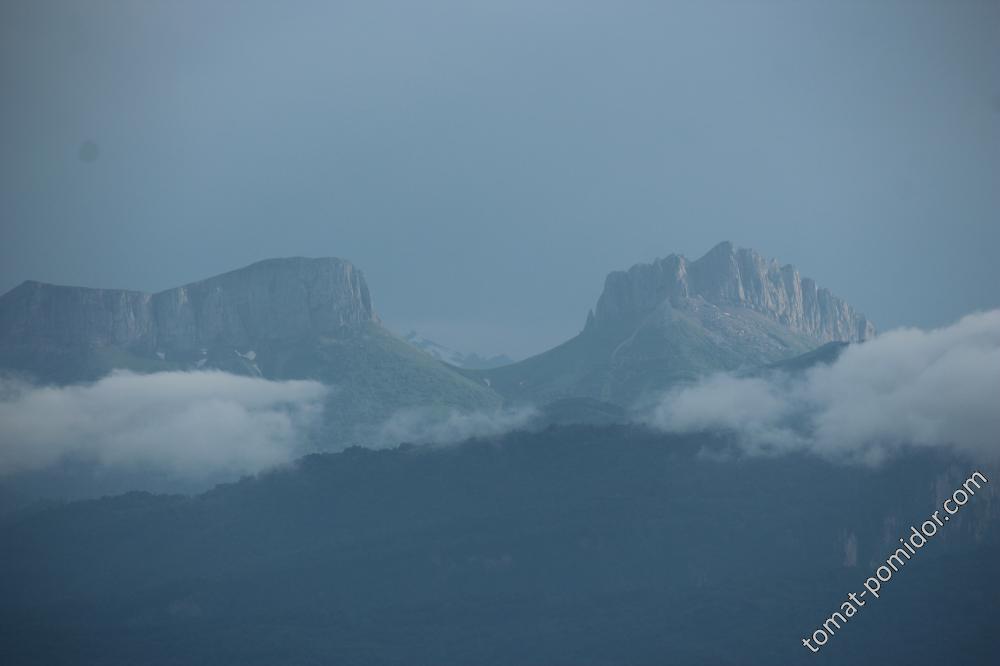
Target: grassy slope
(374,374)
(623,364)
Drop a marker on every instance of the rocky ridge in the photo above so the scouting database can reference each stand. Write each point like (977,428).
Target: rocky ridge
(727,276)
(276,299)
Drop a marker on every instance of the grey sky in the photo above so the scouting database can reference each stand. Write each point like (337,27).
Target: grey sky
(486,164)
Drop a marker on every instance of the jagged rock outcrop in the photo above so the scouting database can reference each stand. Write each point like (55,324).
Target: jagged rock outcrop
(675,320)
(276,299)
(737,277)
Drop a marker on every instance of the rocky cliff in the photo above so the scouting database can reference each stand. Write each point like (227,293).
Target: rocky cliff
(278,319)
(731,277)
(674,320)
(277,299)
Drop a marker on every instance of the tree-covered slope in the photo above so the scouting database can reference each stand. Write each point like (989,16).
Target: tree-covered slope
(575,545)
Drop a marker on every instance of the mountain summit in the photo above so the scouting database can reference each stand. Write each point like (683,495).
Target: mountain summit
(731,277)
(675,319)
(654,325)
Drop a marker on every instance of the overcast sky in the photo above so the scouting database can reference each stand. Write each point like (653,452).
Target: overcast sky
(488,163)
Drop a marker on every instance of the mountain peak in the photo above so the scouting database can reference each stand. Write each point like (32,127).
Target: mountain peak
(289,263)
(674,320)
(727,276)
(722,248)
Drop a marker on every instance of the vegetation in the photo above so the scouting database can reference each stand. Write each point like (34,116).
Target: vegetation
(574,545)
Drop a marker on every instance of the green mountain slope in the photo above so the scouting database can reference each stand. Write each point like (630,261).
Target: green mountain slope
(622,363)
(571,546)
(373,374)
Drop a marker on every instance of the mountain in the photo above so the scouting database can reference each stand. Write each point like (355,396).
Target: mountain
(280,319)
(675,319)
(472,361)
(70,333)
(654,325)
(575,545)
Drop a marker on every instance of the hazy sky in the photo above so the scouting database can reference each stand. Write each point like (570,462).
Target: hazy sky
(487,164)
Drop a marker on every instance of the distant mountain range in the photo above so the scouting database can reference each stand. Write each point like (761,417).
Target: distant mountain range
(471,361)
(654,325)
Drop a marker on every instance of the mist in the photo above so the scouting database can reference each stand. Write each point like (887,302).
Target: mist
(907,387)
(190,425)
(428,425)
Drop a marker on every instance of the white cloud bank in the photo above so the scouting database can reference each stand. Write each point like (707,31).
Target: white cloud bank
(192,424)
(905,387)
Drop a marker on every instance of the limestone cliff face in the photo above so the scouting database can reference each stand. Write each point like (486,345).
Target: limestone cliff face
(41,314)
(278,299)
(736,277)
(277,319)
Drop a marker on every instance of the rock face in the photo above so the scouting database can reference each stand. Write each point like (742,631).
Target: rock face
(675,320)
(277,299)
(277,319)
(737,277)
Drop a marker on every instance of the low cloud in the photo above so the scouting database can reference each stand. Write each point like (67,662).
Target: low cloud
(190,424)
(907,387)
(436,426)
